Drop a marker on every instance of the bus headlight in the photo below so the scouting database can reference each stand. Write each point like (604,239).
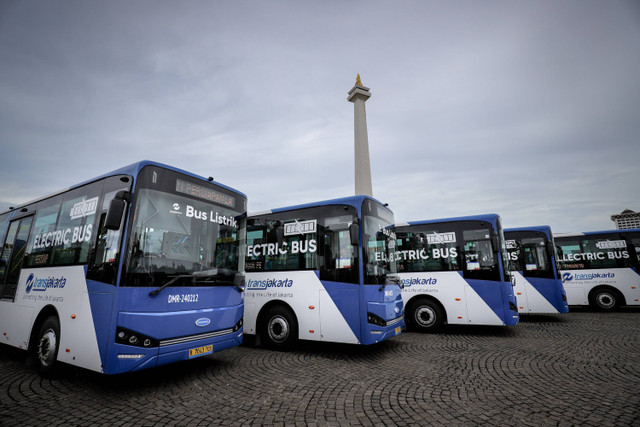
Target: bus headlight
(128,337)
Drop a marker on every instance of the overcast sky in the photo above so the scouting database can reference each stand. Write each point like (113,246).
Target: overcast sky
(527,109)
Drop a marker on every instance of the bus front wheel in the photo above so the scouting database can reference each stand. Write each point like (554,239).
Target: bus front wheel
(426,315)
(45,347)
(280,329)
(605,299)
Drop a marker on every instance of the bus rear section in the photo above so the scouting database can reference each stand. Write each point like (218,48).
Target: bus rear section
(538,285)
(305,274)
(133,269)
(455,271)
(600,268)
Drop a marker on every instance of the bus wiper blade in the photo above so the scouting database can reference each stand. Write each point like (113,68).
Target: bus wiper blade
(227,283)
(169,283)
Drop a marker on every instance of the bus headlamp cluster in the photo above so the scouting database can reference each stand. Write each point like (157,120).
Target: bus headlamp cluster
(238,325)
(127,337)
(376,320)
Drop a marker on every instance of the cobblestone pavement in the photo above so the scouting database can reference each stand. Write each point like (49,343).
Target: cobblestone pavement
(580,368)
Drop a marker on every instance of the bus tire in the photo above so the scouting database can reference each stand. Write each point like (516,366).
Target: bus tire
(605,299)
(426,315)
(44,349)
(279,329)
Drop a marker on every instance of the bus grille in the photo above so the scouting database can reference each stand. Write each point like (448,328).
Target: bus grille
(394,321)
(190,338)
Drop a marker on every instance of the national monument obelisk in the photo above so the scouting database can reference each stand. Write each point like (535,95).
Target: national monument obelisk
(359,95)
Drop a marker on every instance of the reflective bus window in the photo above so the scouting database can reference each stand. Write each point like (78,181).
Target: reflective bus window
(43,235)
(480,261)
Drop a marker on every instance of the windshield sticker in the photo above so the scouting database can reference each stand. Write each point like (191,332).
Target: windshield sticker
(611,244)
(84,208)
(211,216)
(440,238)
(300,227)
(511,244)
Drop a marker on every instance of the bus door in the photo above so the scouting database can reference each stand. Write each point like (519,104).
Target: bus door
(13,252)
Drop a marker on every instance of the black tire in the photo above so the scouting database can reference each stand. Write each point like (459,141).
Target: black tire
(279,329)
(426,315)
(605,299)
(44,349)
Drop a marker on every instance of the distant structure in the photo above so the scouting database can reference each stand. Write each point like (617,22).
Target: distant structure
(359,95)
(626,219)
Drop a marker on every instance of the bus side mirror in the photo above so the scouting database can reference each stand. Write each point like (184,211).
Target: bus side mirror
(354,234)
(116,210)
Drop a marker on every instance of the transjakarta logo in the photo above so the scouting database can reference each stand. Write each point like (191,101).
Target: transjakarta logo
(415,281)
(37,284)
(567,277)
(269,283)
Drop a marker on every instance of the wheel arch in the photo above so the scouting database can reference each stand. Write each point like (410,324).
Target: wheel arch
(612,289)
(416,298)
(46,312)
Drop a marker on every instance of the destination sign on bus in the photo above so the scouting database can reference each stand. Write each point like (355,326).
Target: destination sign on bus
(204,193)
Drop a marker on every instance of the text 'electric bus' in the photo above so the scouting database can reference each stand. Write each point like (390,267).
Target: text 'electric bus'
(600,268)
(322,272)
(136,268)
(535,272)
(455,271)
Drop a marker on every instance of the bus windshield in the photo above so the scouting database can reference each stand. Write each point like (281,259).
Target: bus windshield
(181,241)
(379,243)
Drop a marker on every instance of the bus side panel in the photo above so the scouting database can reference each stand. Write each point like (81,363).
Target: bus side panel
(65,288)
(578,283)
(101,298)
(462,304)
(339,302)
(535,295)
(301,290)
(15,324)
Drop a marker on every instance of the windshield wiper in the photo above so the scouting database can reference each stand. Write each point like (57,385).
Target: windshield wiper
(199,278)
(169,283)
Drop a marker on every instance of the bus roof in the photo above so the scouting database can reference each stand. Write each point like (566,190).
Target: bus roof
(355,201)
(541,228)
(587,233)
(492,218)
(133,169)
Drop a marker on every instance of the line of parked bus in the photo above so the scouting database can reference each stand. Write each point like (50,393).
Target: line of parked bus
(149,265)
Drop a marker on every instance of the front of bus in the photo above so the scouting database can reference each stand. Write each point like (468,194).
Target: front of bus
(381,290)
(181,285)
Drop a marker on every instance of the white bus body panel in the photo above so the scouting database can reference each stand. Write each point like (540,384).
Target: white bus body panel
(447,287)
(529,300)
(323,322)
(578,284)
(77,334)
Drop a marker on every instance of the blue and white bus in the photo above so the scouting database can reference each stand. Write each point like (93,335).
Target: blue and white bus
(455,271)
(534,268)
(600,268)
(322,272)
(135,268)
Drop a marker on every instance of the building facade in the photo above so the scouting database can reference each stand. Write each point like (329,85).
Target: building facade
(626,219)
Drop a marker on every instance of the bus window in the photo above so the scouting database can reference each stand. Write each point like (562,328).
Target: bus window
(480,260)
(43,235)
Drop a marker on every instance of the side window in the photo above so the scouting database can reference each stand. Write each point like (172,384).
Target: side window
(274,244)
(606,251)
(635,249)
(4,257)
(105,252)
(75,227)
(338,259)
(44,233)
(427,250)
(480,261)
(570,254)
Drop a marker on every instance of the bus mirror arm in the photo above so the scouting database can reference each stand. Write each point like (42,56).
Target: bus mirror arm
(495,242)
(116,210)
(354,234)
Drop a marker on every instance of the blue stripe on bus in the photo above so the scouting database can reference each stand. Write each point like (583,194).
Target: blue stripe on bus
(495,300)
